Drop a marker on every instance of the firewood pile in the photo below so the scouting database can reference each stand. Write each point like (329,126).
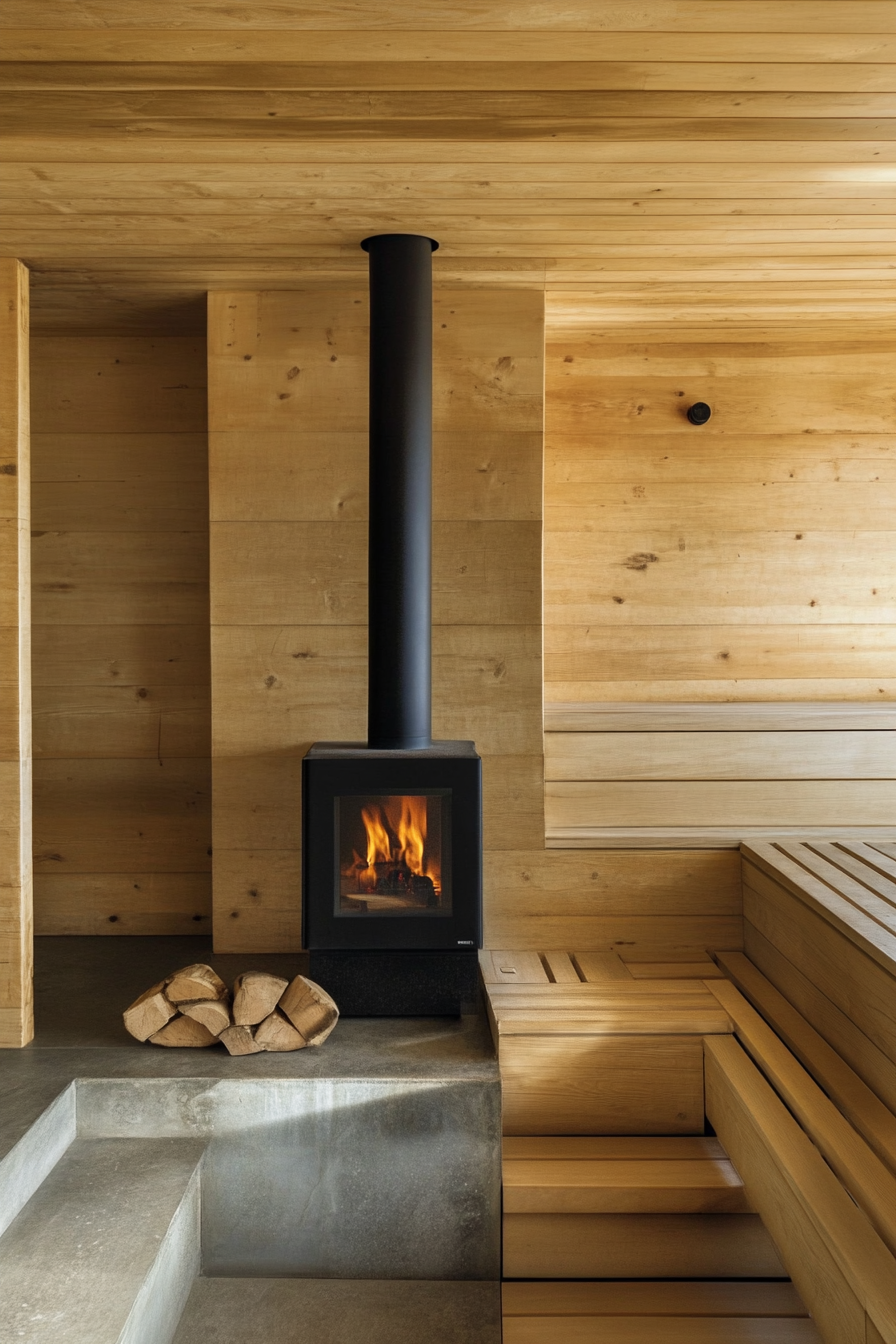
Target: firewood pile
(194,1008)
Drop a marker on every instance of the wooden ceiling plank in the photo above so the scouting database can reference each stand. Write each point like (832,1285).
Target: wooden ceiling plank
(708,180)
(739,76)
(872,153)
(548,212)
(188,46)
(647,111)
(605,16)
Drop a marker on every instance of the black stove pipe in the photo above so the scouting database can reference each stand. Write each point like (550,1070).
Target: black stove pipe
(399,696)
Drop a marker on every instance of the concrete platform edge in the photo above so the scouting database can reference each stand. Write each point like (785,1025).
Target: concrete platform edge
(27,1165)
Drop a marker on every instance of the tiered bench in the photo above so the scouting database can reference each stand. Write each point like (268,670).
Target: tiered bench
(798,1042)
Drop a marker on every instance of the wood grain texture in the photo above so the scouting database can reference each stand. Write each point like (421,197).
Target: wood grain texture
(831,1022)
(651,1299)
(798,717)
(873,1120)
(663,756)
(659,1330)
(16,885)
(859,986)
(622,1186)
(729,803)
(288,578)
(602,1084)
(664,16)
(867,1178)
(372,89)
(638,1246)
(856,913)
(121,687)
(838,1263)
(655,581)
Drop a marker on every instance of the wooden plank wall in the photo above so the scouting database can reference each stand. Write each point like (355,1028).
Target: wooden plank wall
(287,380)
(120,609)
(16,997)
(748,560)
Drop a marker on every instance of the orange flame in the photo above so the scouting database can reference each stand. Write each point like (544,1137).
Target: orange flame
(396,834)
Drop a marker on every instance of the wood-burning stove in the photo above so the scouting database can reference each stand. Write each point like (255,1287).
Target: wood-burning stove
(392,828)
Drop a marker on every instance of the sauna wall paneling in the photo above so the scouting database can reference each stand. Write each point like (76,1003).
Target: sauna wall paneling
(121,652)
(16,917)
(288,496)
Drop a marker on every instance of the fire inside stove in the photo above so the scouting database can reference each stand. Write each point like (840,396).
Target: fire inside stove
(393,854)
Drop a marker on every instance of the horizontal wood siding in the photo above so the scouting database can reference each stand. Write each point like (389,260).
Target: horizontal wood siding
(288,405)
(121,661)
(706,775)
(743,561)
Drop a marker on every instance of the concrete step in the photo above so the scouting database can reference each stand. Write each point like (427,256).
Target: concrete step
(341,1311)
(106,1250)
(649,1208)
(36,1135)
(656,1313)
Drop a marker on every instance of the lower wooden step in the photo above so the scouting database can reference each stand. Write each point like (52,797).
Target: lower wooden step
(619,1175)
(638,1246)
(722,1297)
(655,1313)
(626,1207)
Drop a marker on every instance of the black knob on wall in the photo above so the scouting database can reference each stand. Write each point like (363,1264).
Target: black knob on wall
(699,413)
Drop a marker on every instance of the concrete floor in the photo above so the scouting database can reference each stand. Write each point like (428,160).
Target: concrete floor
(82,985)
(375,1157)
(328,1311)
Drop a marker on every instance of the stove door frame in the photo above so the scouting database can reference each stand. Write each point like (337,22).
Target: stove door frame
(323,780)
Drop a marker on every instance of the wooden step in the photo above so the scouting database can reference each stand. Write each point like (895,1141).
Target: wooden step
(655,1313)
(618,1057)
(626,1207)
(720,1298)
(659,1330)
(635,1182)
(638,1246)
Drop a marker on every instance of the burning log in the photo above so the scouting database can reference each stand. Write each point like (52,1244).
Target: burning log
(266,1013)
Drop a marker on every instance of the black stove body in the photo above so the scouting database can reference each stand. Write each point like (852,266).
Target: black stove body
(392,828)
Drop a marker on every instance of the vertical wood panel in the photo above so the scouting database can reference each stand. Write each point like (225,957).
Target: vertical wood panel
(16,937)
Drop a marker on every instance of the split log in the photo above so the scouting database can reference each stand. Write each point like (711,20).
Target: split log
(212,1013)
(149,1013)
(240,1041)
(255,996)
(310,1010)
(195,982)
(183,1031)
(277,1034)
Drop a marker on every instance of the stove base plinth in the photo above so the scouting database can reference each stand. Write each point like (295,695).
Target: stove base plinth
(399,984)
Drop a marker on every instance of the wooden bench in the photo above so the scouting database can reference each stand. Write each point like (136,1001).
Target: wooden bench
(824,1192)
(808,1147)
(593,1050)
(820,923)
